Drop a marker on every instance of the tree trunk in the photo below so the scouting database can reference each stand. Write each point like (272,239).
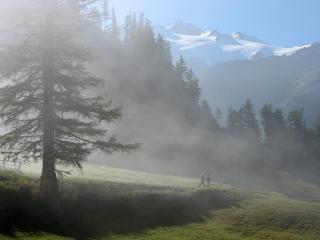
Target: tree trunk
(49,190)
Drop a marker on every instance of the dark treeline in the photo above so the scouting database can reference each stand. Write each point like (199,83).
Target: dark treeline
(180,133)
(286,143)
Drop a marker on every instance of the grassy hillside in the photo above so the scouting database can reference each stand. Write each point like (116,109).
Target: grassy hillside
(292,187)
(266,218)
(110,174)
(136,205)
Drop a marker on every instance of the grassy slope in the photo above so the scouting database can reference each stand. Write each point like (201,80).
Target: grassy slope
(294,187)
(258,216)
(269,216)
(109,174)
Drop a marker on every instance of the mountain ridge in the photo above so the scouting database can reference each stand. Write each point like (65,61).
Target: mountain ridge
(288,82)
(208,47)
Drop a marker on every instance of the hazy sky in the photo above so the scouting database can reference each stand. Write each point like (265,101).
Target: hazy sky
(282,22)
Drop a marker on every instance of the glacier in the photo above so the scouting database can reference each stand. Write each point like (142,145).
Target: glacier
(208,47)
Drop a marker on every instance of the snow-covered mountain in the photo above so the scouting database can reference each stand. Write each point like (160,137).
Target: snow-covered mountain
(207,47)
(234,67)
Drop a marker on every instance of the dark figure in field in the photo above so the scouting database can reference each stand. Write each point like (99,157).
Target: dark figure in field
(202,180)
(209,180)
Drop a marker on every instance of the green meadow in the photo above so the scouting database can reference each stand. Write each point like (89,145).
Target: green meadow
(248,215)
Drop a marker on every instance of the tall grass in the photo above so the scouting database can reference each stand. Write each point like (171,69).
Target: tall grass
(95,209)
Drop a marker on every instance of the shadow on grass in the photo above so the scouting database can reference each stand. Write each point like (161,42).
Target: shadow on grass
(91,213)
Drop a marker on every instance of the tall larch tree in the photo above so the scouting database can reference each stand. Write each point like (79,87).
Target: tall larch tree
(48,102)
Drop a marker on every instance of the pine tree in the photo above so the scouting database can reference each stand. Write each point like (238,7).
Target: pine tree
(248,123)
(219,114)
(105,14)
(134,22)
(212,123)
(48,107)
(273,123)
(317,128)
(114,25)
(181,68)
(233,122)
(192,86)
(295,120)
(127,28)
(164,51)
(298,135)
(267,121)
(280,123)
(205,106)
(141,19)
(315,150)
(139,38)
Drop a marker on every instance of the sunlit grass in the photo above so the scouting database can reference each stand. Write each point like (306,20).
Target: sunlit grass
(110,174)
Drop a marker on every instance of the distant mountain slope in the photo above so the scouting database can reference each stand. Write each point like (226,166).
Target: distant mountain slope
(234,67)
(207,47)
(287,81)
